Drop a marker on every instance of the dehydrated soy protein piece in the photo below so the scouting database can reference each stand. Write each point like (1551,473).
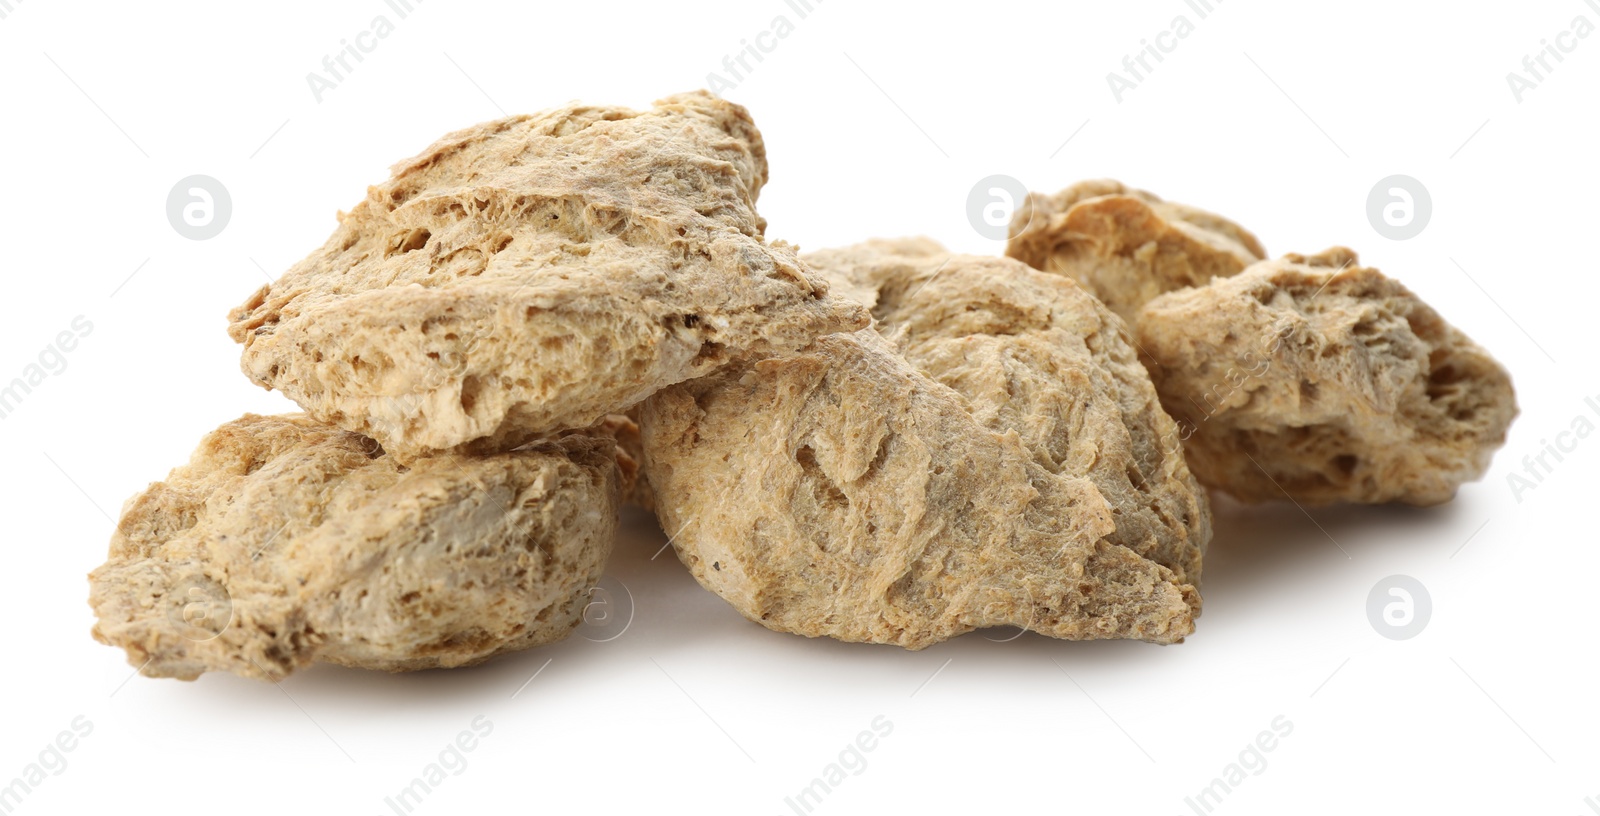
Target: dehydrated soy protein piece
(1035,354)
(284,541)
(1127,246)
(1317,379)
(534,274)
(846,492)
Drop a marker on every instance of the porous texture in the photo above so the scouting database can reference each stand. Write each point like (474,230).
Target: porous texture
(1127,246)
(1319,380)
(1035,354)
(284,541)
(537,273)
(843,492)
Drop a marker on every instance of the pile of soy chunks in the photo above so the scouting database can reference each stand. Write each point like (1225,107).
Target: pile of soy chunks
(540,319)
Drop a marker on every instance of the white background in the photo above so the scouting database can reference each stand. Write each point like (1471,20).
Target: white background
(879,119)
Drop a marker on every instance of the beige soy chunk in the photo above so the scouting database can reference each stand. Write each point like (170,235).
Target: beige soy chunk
(1127,246)
(284,541)
(842,492)
(1035,354)
(534,274)
(1318,380)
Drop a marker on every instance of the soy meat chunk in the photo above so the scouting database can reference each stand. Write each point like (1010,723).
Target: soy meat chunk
(537,273)
(1316,379)
(285,541)
(1127,246)
(872,488)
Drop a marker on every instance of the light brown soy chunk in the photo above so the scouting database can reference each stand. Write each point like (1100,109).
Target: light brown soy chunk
(1036,355)
(1316,379)
(1127,246)
(537,273)
(285,541)
(840,492)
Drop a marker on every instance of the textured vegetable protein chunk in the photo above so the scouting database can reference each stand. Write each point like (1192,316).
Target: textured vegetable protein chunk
(1127,246)
(1035,354)
(284,541)
(844,492)
(534,274)
(1316,379)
